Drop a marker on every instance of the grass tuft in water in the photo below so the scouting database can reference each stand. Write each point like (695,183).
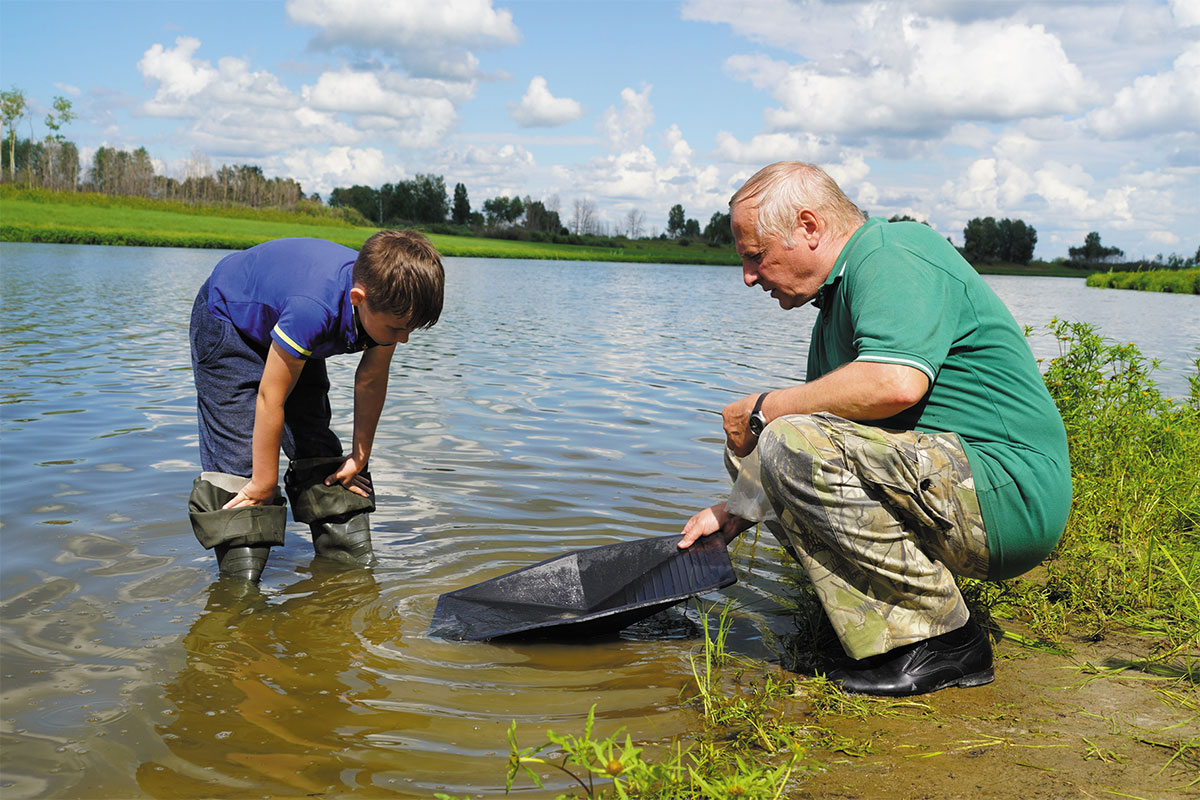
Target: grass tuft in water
(742,726)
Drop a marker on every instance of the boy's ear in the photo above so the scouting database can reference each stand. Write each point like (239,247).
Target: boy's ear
(357,295)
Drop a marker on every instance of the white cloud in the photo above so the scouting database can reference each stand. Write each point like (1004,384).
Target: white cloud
(487,170)
(1163,102)
(1163,237)
(924,78)
(430,36)
(323,170)
(539,108)
(240,112)
(625,128)
(179,77)
(766,148)
(1186,12)
(638,178)
(416,120)
(369,23)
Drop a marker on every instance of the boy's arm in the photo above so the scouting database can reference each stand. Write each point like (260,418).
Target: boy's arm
(280,374)
(370,391)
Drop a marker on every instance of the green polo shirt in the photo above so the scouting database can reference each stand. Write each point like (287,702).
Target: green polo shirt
(901,294)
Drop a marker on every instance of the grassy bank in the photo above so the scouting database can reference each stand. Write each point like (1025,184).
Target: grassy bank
(1131,552)
(40,215)
(1129,561)
(1178,281)
(82,218)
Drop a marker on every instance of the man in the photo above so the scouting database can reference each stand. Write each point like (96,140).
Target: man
(922,445)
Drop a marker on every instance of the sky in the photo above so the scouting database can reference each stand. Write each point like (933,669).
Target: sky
(1073,116)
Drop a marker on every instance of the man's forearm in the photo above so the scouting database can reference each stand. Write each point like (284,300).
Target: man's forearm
(860,390)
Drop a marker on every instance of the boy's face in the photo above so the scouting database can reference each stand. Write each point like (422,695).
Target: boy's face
(382,327)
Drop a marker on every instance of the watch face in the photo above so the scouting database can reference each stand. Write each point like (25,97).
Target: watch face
(756,424)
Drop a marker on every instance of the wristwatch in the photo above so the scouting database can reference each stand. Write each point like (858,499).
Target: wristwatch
(757,420)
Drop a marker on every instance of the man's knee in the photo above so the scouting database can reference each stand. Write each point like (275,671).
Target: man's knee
(794,437)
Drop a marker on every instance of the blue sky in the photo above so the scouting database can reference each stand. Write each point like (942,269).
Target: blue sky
(1074,116)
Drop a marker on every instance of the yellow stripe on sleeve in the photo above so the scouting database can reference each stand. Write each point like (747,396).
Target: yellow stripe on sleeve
(288,339)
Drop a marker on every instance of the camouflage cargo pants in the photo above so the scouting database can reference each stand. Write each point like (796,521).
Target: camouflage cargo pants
(881,521)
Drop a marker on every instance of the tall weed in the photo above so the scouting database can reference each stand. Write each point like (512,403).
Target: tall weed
(1131,550)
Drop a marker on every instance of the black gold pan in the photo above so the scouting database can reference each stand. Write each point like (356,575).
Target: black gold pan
(586,593)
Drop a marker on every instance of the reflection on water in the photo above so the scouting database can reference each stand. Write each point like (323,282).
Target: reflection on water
(556,406)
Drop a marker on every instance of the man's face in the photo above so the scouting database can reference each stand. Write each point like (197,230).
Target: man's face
(792,276)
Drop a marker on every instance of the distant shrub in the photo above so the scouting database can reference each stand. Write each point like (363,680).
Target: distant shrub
(1178,281)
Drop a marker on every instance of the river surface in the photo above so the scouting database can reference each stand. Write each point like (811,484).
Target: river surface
(556,406)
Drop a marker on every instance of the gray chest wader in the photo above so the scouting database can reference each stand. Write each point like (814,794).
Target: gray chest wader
(337,517)
(242,537)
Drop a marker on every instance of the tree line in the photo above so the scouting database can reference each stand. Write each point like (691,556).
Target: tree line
(52,162)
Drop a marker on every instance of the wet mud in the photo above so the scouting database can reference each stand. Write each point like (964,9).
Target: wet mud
(1050,726)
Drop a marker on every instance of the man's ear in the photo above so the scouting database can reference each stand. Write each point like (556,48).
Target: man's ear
(808,228)
(357,295)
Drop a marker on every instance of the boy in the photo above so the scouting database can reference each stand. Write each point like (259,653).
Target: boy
(262,326)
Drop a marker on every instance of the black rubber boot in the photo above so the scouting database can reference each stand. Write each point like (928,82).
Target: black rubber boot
(336,516)
(962,657)
(241,537)
(347,541)
(245,561)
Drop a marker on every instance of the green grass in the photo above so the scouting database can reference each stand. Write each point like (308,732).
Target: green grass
(1178,281)
(1130,555)
(82,218)
(40,215)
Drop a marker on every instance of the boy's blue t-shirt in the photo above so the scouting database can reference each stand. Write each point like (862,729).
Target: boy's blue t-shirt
(295,292)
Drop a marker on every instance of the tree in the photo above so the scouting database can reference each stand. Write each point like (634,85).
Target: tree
(14,108)
(430,202)
(675,221)
(461,212)
(584,219)
(1093,251)
(59,116)
(1017,241)
(364,199)
(540,218)
(503,211)
(635,221)
(907,218)
(1008,240)
(718,231)
(691,229)
(980,239)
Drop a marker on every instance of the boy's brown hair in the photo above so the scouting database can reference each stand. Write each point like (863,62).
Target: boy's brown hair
(401,273)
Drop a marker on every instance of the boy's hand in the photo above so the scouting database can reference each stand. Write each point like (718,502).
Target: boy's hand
(251,495)
(350,476)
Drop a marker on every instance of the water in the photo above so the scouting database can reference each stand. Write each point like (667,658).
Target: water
(558,405)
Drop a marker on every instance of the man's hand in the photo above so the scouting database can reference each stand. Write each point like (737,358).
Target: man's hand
(349,475)
(251,495)
(736,418)
(712,520)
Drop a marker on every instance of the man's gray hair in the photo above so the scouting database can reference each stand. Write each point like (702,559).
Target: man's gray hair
(782,190)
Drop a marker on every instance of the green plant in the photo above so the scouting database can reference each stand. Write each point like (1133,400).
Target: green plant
(1131,549)
(580,757)
(749,716)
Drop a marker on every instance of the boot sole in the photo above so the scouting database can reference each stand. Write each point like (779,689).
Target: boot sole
(980,678)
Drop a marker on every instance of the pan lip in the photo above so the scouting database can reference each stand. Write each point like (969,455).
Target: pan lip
(725,578)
